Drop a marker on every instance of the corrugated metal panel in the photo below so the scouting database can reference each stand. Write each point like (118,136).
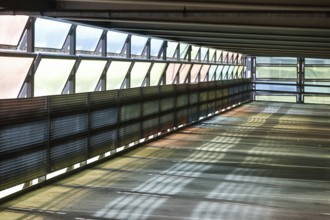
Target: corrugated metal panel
(203,110)
(219,93)
(193,114)
(182,117)
(225,92)
(151,107)
(69,103)
(22,167)
(130,133)
(104,99)
(102,142)
(166,104)
(212,95)
(166,90)
(150,127)
(193,98)
(182,100)
(129,95)
(211,107)
(68,153)
(219,104)
(203,96)
(167,121)
(194,87)
(13,110)
(129,112)
(19,136)
(104,117)
(182,88)
(68,125)
(150,92)
(24,123)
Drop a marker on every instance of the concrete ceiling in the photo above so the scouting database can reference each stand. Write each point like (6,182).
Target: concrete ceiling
(254,27)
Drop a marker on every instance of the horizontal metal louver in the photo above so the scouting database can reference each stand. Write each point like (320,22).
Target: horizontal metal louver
(69,103)
(102,142)
(130,112)
(22,168)
(182,100)
(219,93)
(68,153)
(203,111)
(130,133)
(203,96)
(129,95)
(68,125)
(19,136)
(104,117)
(194,87)
(182,117)
(225,103)
(182,88)
(219,104)
(193,114)
(225,92)
(211,107)
(167,121)
(150,127)
(212,95)
(166,104)
(150,92)
(12,110)
(193,98)
(151,107)
(103,99)
(167,90)
(45,134)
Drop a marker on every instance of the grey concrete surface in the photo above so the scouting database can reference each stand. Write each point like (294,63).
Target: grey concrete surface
(259,161)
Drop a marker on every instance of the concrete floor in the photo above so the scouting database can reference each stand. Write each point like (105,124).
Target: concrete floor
(259,161)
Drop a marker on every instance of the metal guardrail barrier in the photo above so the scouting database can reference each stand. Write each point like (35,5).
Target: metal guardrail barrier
(45,134)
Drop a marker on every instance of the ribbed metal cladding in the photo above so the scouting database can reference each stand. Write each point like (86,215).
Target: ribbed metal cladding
(23,136)
(150,107)
(104,99)
(64,104)
(203,111)
(22,167)
(13,111)
(193,98)
(166,121)
(129,95)
(130,112)
(104,117)
(102,142)
(68,153)
(203,96)
(193,114)
(182,100)
(130,133)
(149,93)
(150,126)
(68,125)
(42,135)
(182,117)
(167,104)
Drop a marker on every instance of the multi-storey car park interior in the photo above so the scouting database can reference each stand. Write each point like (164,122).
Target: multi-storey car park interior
(161,109)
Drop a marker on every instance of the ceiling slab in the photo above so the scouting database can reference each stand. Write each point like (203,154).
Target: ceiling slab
(253,27)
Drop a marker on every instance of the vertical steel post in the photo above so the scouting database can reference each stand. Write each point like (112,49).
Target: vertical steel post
(128,46)
(73,39)
(300,79)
